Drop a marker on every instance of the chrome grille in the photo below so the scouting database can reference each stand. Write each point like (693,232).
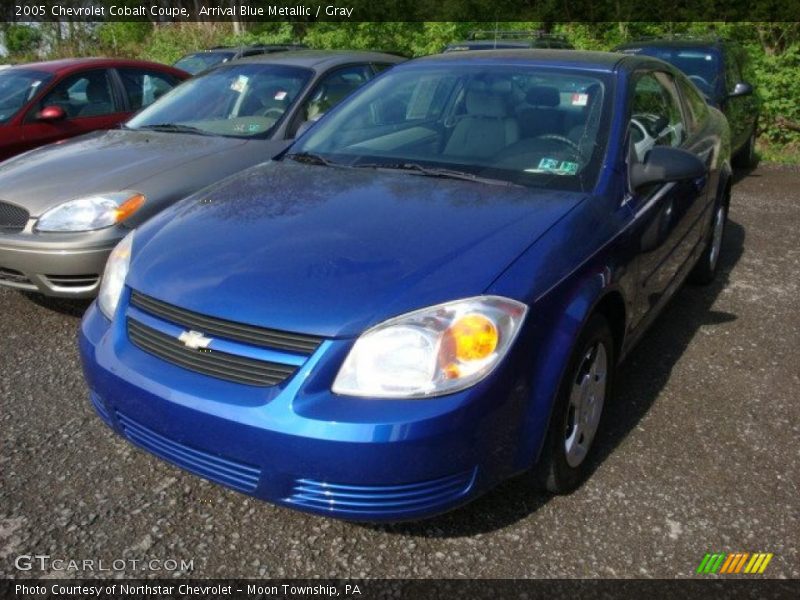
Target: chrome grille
(12,217)
(249,334)
(237,475)
(222,365)
(366,500)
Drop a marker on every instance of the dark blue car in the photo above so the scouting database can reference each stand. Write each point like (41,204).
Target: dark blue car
(428,293)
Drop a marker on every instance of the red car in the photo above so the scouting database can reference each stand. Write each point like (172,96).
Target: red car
(46,102)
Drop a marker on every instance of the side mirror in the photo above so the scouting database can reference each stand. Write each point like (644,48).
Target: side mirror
(741,89)
(51,113)
(663,164)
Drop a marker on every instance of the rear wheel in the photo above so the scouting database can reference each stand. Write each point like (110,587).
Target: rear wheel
(705,270)
(746,157)
(578,410)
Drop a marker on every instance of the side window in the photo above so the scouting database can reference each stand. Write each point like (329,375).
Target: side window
(333,88)
(145,87)
(84,95)
(253,52)
(380,67)
(656,118)
(696,107)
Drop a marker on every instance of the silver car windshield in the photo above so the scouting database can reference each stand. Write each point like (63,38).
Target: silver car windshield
(244,100)
(196,63)
(17,87)
(536,126)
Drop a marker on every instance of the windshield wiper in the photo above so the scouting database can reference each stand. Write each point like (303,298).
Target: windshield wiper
(436,172)
(310,159)
(174,128)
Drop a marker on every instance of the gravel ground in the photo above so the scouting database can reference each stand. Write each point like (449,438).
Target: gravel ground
(701,453)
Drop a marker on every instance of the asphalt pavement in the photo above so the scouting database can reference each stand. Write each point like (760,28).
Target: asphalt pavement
(700,454)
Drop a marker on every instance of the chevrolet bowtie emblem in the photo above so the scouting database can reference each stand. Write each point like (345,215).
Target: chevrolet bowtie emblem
(194,340)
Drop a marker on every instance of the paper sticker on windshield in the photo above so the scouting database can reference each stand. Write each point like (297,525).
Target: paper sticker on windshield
(240,83)
(580,99)
(555,167)
(280,95)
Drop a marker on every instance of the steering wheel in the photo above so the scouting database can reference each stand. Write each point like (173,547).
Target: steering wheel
(563,140)
(699,82)
(277,113)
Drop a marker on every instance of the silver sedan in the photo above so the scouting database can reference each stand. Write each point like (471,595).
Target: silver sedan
(64,207)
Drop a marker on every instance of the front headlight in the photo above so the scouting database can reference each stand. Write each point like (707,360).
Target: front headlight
(433,351)
(93,212)
(114,276)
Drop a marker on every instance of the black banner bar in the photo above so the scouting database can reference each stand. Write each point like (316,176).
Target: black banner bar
(547,11)
(743,587)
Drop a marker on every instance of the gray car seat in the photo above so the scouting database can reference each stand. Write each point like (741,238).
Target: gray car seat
(98,99)
(487,127)
(540,114)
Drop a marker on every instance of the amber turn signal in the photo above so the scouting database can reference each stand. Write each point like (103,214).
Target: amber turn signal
(127,208)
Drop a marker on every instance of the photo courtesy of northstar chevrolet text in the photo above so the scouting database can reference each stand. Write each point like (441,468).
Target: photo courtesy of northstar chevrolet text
(308,291)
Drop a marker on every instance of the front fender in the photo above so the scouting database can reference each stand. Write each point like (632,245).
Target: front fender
(558,321)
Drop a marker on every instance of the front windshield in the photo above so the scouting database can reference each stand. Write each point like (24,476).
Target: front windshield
(17,87)
(196,63)
(533,126)
(242,100)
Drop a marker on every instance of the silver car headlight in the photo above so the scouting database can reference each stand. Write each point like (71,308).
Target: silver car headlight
(90,213)
(434,351)
(114,276)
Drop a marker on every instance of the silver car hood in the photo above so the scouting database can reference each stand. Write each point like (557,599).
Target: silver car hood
(106,162)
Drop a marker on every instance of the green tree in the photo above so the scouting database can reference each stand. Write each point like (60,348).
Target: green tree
(22,39)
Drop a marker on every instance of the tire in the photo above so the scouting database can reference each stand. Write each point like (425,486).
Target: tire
(746,157)
(565,458)
(705,271)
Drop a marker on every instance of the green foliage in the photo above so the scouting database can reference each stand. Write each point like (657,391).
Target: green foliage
(22,39)
(123,37)
(778,86)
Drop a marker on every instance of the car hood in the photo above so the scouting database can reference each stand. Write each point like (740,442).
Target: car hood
(100,162)
(331,251)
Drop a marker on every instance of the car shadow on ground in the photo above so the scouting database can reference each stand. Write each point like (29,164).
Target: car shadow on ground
(639,381)
(65,306)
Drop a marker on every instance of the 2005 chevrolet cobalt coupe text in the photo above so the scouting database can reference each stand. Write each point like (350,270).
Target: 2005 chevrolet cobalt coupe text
(424,295)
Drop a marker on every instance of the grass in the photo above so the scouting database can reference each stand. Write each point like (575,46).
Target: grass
(788,154)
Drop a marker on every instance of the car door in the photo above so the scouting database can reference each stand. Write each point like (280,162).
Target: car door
(90,101)
(664,213)
(330,89)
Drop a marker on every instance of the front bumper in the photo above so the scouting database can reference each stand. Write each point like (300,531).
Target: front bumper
(298,445)
(57,266)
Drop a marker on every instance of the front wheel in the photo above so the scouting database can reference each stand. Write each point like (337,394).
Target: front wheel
(578,410)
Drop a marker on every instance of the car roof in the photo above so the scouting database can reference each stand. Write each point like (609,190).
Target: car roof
(74,64)
(507,43)
(672,43)
(491,43)
(598,61)
(316,59)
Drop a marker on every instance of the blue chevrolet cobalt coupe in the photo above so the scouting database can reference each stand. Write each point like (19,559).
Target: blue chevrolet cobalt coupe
(426,294)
